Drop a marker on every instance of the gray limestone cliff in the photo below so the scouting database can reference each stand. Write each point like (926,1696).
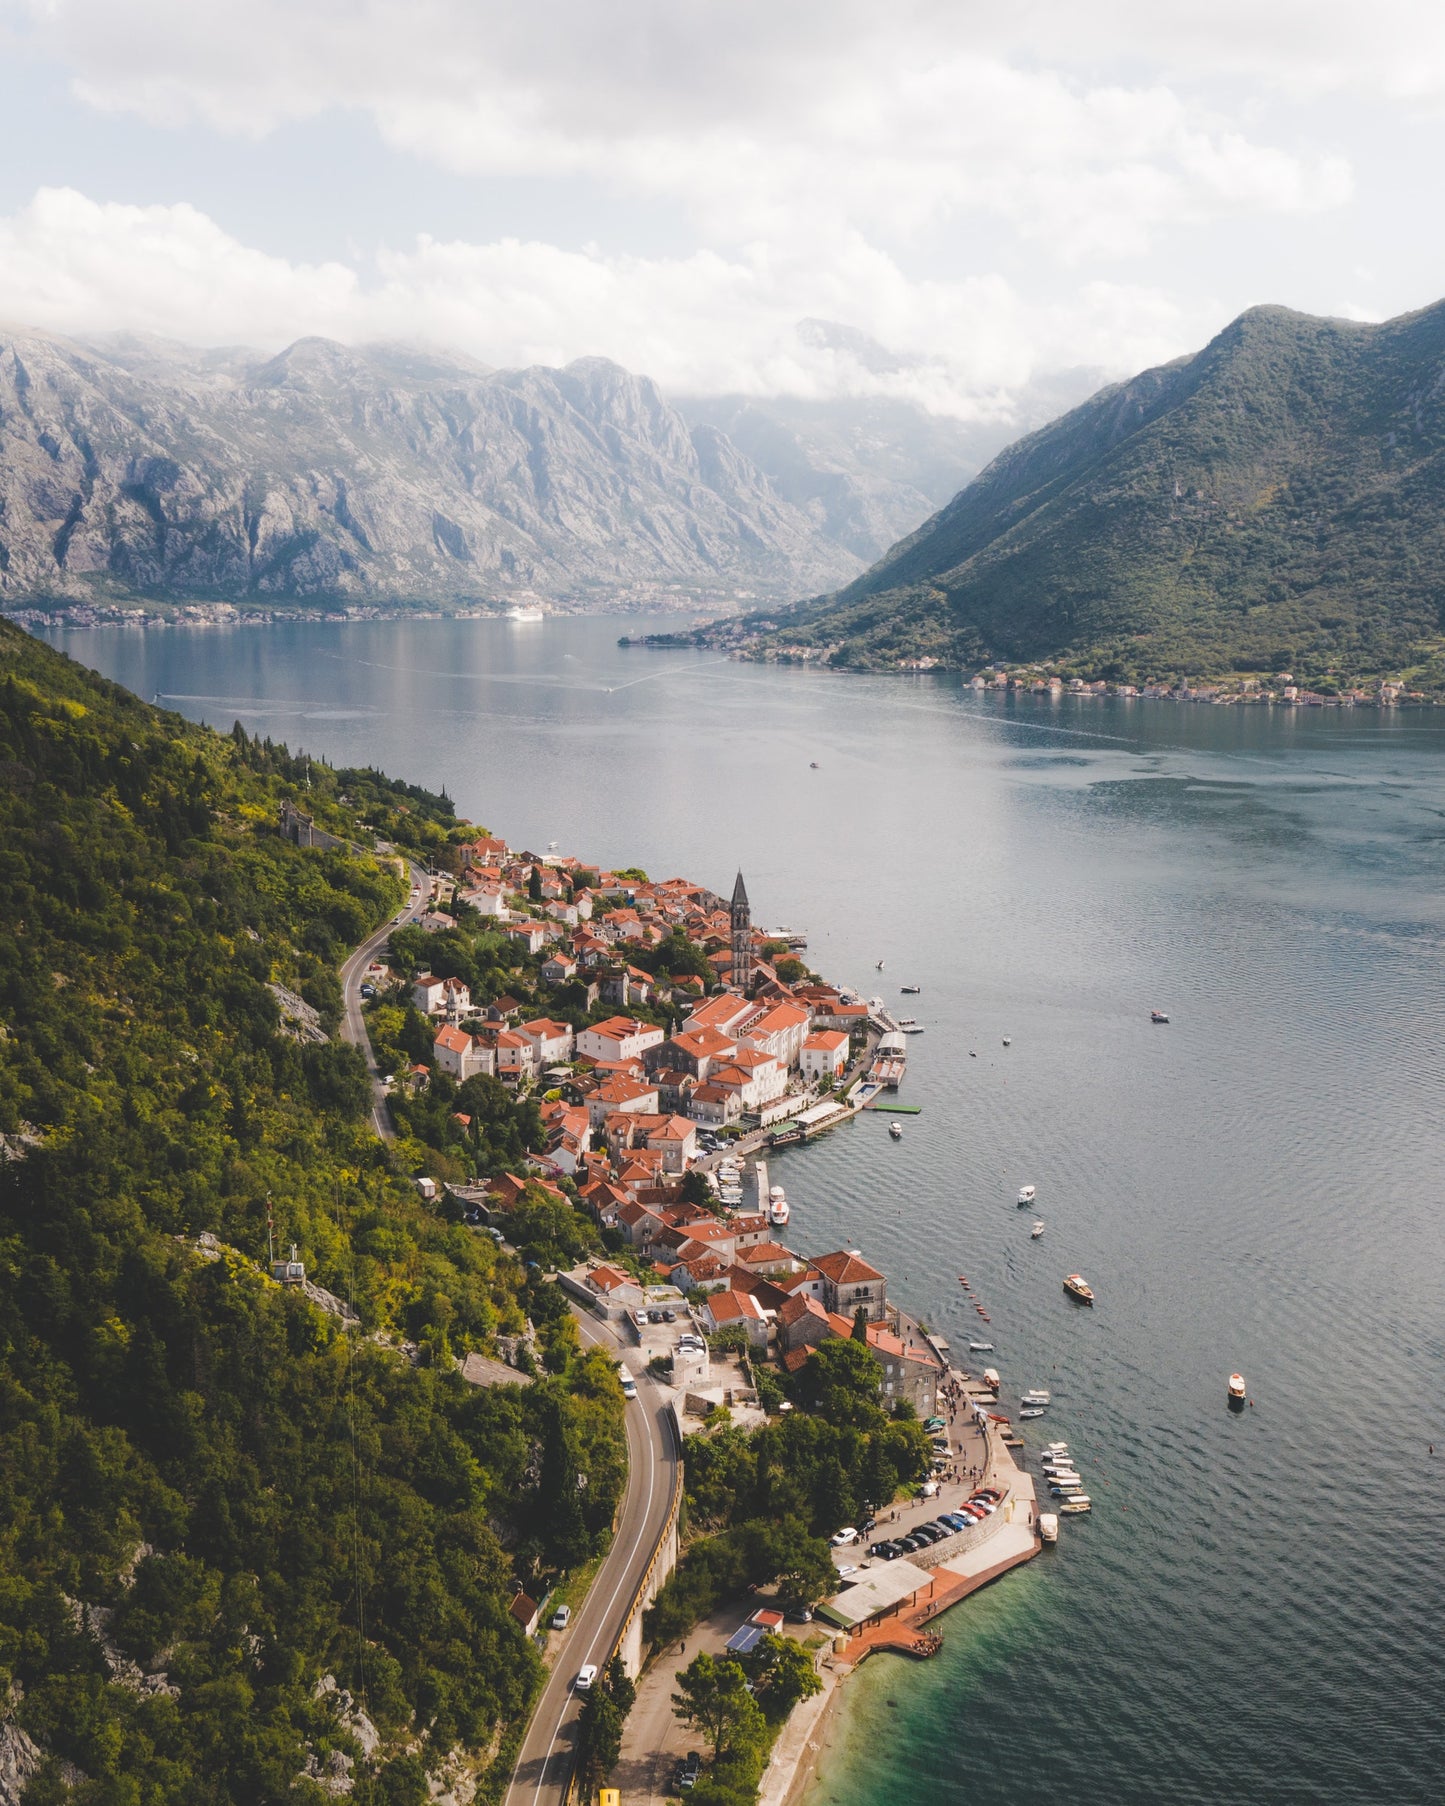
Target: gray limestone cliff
(137,468)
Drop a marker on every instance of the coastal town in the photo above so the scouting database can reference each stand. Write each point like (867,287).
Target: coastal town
(669,1045)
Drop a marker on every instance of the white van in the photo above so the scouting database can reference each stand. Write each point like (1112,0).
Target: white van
(629,1385)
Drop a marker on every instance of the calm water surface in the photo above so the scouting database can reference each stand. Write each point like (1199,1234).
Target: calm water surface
(1254,1612)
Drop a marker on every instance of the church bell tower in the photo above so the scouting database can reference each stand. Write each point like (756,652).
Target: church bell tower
(742,927)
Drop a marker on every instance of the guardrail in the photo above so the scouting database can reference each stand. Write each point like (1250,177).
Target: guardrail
(571,1794)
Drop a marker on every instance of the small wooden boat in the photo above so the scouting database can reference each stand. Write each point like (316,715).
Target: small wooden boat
(1157,1016)
(1036,1232)
(1077,1287)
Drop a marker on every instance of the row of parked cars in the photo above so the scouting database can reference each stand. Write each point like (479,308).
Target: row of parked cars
(948,1523)
(685,1775)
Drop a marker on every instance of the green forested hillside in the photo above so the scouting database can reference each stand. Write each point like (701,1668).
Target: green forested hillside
(1277,500)
(197,1468)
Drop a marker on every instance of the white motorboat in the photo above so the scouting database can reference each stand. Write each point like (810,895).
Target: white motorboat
(1036,1232)
(1076,1507)
(778,1212)
(895,1129)
(1238,1391)
(980,1348)
(1027,1194)
(991,1379)
(1048,1527)
(910,1028)
(1007,1042)
(1031,1411)
(1036,1396)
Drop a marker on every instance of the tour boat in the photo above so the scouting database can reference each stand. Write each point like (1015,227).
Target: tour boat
(1158,1016)
(1036,1232)
(1027,1194)
(778,1212)
(991,1379)
(1076,1286)
(895,1129)
(525,614)
(1238,1391)
(1048,1527)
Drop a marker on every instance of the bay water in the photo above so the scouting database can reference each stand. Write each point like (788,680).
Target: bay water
(1254,1611)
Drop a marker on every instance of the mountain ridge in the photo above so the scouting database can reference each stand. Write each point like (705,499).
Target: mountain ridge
(1276,498)
(385,475)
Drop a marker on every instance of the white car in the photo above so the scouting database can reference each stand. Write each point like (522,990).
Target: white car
(561,1617)
(844,1537)
(585,1677)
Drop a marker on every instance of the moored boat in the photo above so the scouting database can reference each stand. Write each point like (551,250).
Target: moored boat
(1031,1411)
(991,1379)
(980,1348)
(778,1211)
(1048,1527)
(1078,1287)
(1036,1395)
(1076,1507)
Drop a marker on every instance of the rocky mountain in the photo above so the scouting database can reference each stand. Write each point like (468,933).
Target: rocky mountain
(1276,500)
(132,467)
(868,469)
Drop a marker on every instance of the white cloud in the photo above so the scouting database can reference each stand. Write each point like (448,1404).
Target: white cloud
(700,323)
(763,121)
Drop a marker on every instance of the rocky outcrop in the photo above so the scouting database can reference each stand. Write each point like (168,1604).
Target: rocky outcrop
(129,468)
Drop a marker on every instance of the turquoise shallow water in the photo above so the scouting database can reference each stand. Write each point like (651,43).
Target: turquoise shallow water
(1253,1611)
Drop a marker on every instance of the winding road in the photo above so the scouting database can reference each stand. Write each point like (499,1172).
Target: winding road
(544,1764)
(353,1023)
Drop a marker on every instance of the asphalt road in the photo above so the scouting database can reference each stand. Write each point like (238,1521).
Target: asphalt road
(353,1024)
(545,1762)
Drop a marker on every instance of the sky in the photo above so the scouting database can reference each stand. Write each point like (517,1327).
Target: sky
(980,195)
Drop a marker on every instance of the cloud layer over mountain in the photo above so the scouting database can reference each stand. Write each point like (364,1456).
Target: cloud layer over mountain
(974,188)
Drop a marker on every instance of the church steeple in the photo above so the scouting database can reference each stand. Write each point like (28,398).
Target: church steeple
(742,937)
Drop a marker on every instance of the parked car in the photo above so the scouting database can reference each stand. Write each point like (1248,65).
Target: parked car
(654,1316)
(986,1506)
(878,1548)
(640,1319)
(989,1492)
(891,1551)
(842,1538)
(562,1617)
(913,1542)
(691,1769)
(868,1524)
(585,1677)
(669,1316)
(958,1520)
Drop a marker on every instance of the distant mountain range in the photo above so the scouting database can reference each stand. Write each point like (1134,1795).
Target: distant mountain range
(138,468)
(1277,500)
